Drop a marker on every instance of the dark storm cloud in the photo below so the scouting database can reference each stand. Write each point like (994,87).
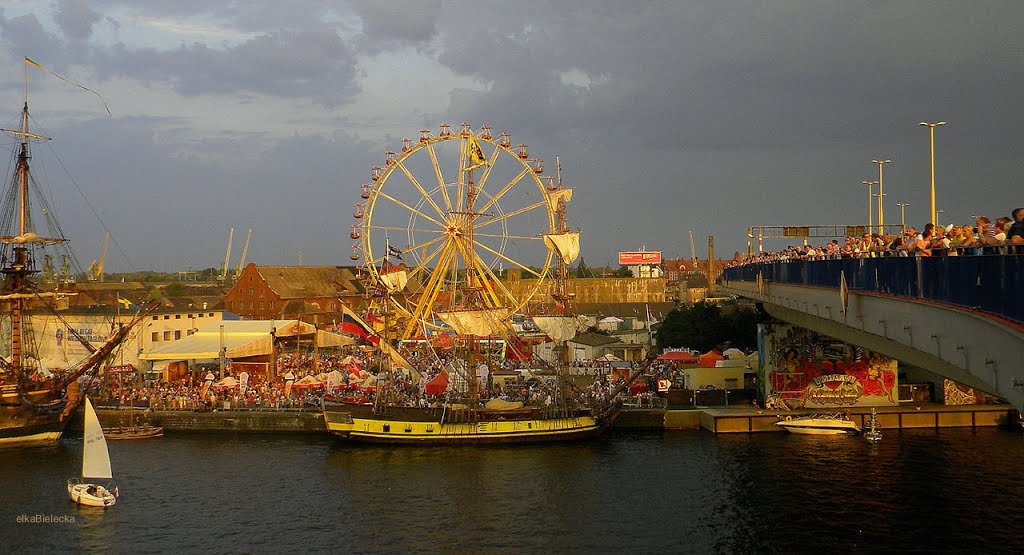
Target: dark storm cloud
(777,105)
(668,116)
(312,63)
(398,22)
(75,18)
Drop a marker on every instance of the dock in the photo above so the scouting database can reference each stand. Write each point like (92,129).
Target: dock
(718,420)
(723,420)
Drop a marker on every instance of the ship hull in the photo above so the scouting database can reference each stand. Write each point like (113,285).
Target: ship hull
(434,426)
(19,425)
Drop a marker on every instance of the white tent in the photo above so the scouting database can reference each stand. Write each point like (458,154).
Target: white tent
(241,338)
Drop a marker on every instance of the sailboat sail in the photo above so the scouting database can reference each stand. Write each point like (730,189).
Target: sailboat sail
(567,245)
(95,458)
(394,281)
(564,195)
(481,323)
(559,328)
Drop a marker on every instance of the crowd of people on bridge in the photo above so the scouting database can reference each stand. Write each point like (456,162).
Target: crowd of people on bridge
(985,237)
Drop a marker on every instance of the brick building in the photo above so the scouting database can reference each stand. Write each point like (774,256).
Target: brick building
(270,292)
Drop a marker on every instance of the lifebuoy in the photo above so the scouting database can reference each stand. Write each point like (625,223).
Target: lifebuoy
(789,418)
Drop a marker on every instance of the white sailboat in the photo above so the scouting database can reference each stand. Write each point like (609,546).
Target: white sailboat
(95,466)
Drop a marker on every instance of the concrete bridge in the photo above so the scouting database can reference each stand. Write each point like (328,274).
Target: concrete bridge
(960,317)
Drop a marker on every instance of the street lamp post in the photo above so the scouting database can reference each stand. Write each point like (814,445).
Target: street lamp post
(931,149)
(903,215)
(881,230)
(871,196)
(881,210)
(937,212)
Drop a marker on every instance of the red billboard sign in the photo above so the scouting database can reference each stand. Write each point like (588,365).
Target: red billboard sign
(639,257)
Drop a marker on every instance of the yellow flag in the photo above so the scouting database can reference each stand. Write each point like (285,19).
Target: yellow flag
(476,154)
(30,62)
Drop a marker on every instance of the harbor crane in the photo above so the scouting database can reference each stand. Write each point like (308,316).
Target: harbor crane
(227,257)
(245,252)
(96,266)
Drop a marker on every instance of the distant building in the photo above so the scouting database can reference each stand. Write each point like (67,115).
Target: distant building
(266,292)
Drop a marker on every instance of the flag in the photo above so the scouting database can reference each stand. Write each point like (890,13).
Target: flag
(350,323)
(126,304)
(760,283)
(394,252)
(476,154)
(844,291)
(68,81)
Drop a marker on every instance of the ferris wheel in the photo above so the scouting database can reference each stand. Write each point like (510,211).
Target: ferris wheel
(443,220)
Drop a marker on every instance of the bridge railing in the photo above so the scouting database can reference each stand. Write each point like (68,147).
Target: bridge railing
(989,283)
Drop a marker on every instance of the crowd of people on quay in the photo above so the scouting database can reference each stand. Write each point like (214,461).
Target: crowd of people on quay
(1003,236)
(361,381)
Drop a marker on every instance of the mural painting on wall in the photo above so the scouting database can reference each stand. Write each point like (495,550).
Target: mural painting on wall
(959,394)
(810,370)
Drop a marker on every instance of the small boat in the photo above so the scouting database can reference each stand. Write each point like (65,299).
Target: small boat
(95,466)
(133,430)
(819,424)
(872,433)
(143,431)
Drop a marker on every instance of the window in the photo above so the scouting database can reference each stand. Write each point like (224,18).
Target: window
(156,317)
(167,336)
(334,306)
(177,316)
(177,334)
(250,291)
(201,315)
(261,305)
(167,316)
(211,315)
(156,335)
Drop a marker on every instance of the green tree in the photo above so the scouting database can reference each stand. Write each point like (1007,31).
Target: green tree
(175,290)
(704,326)
(624,272)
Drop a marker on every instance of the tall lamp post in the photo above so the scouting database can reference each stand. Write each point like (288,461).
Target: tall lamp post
(903,214)
(931,149)
(881,211)
(871,196)
(881,230)
(937,212)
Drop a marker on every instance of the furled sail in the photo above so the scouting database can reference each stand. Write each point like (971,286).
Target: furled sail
(561,194)
(559,328)
(95,459)
(567,245)
(475,322)
(394,281)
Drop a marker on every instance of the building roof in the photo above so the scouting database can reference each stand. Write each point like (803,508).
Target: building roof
(304,282)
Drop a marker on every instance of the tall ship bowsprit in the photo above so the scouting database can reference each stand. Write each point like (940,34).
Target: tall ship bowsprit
(443,296)
(35,404)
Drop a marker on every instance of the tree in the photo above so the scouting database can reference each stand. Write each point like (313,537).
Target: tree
(624,272)
(703,326)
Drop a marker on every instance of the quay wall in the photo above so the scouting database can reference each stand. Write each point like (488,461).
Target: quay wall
(715,420)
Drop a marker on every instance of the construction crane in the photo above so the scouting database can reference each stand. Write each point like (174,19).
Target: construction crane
(245,252)
(227,257)
(96,266)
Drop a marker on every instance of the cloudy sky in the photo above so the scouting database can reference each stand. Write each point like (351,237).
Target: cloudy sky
(669,117)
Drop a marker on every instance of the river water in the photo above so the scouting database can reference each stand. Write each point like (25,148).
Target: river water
(953,490)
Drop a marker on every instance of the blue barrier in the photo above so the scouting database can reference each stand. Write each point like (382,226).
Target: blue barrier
(989,283)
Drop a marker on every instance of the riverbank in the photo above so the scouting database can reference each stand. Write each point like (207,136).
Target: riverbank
(718,420)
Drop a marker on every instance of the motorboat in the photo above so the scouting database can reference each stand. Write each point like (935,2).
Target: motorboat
(95,466)
(819,424)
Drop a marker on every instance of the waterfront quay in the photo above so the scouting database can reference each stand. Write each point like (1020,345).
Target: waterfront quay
(718,420)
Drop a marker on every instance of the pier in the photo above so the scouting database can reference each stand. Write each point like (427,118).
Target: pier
(718,420)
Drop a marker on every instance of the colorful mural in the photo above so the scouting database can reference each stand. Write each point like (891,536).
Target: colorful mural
(804,369)
(959,394)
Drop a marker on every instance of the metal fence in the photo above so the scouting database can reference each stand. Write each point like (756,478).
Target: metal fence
(988,283)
